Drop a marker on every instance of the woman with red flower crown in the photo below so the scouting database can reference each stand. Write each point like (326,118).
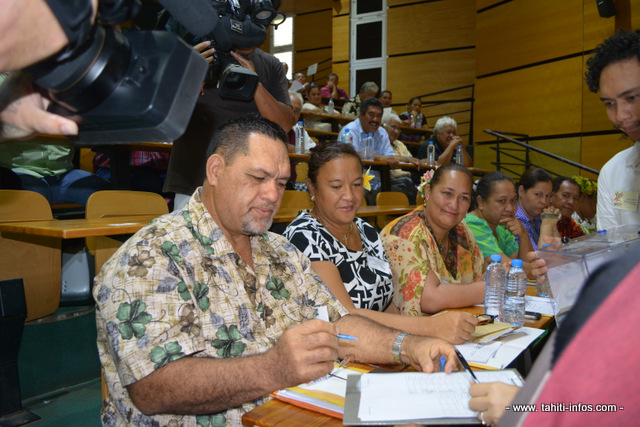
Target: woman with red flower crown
(435,261)
(347,253)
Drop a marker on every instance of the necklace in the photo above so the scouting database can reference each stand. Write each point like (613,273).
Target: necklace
(440,245)
(346,235)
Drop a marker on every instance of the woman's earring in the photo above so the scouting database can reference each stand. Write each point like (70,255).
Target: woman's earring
(313,198)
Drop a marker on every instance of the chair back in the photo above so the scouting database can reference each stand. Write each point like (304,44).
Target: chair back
(419,199)
(110,203)
(389,198)
(37,260)
(296,199)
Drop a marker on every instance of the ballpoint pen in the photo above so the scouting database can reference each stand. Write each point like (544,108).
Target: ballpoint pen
(466,366)
(346,337)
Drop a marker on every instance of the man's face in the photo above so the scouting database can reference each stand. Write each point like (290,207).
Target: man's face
(248,191)
(300,78)
(333,79)
(566,198)
(370,120)
(297,108)
(386,99)
(620,92)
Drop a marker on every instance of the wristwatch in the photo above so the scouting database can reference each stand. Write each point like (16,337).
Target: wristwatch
(397,346)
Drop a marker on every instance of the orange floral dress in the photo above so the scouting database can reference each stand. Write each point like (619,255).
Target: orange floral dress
(412,252)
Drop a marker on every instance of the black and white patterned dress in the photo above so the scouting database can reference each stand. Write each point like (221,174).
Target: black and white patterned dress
(366,274)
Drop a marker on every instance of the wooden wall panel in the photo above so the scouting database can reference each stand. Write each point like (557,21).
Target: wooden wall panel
(597,150)
(594,116)
(341,37)
(569,148)
(542,100)
(527,31)
(302,60)
(596,29)
(413,75)
(481,4)
(340,7)
(292,7)
(430,26)
(313,30)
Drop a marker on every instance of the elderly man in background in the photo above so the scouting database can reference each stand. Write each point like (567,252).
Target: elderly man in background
(351,108)
(446,141)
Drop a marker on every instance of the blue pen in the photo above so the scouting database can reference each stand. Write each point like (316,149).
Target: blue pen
(443,361)
(347,337)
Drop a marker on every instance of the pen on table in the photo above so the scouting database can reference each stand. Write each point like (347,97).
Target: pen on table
(532,315)
(466,366)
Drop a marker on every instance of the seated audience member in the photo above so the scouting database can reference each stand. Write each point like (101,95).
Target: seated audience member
(46,167)
(314,105)
(392,126)
(302,79)
(492,219)
(296,104)
(148,169)
(535,192)
(566,193)
(413,117)
(331,89)
(585,214)
(347,253)
(369,123)
(435,261)
(207,301)
(385,99)
(351,108)
(445,141)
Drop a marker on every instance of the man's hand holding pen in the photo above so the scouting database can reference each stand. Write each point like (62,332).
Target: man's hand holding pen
(423,353)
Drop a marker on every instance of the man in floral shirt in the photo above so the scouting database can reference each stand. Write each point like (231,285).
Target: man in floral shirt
(202,313)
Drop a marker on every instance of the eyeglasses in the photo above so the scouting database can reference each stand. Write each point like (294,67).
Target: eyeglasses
(484,319)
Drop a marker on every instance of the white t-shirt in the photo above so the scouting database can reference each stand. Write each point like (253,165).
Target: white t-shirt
(619,188)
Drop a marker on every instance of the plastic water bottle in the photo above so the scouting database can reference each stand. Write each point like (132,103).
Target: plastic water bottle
(330,107)
(514,295)
(367,147)
(494,287)
(543,289)
(299,131)
(413,120)
(459,157)
(347,138)
(431,154)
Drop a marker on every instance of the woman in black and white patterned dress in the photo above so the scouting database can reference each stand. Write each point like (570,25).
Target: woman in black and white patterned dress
(347,252)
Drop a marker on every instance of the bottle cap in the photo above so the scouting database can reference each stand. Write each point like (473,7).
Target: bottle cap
(496,258)
(516,262)
(301,123)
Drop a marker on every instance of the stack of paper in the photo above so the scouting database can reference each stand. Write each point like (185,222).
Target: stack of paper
(324,395)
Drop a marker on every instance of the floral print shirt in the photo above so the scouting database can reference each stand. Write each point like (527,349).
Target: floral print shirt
(412,252)
(177,288)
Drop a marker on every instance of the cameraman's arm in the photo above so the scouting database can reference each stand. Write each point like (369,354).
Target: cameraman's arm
(269,107)
(273,109)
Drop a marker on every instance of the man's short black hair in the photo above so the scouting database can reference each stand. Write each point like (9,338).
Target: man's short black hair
(232,137)
(370,102)
(620,46)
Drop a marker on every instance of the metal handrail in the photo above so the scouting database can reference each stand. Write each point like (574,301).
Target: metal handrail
(501,135)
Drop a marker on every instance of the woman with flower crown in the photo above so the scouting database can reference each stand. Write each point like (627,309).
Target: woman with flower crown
(585,214)
(347,252)
(435,261)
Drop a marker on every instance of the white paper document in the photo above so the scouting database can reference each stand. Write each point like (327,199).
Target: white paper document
(416,395)
(540,305)
(480,353)
(511,346)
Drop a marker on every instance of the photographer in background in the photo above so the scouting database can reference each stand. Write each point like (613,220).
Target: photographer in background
(270,100)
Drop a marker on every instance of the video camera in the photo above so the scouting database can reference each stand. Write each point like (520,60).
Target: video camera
(142,85)
(241,24)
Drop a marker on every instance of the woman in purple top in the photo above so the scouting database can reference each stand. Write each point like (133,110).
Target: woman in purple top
(539,218)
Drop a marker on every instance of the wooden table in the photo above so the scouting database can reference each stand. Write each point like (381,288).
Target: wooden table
(78,228)
(288,214)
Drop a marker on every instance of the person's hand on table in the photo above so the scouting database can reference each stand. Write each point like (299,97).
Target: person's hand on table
(489,400)
(423,353)
(455,326)
(23,112)
(304,353)
(538,265)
